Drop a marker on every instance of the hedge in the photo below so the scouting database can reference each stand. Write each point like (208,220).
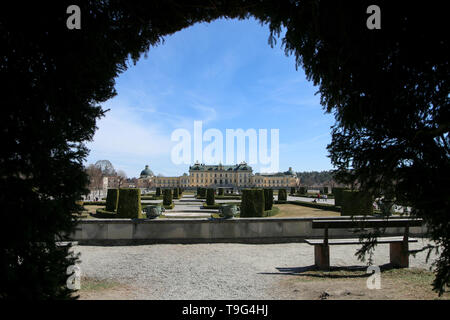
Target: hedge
(105,214)
(158,192)
(322,206)
(229,197)
(337,192)
(129,205)
(252,204)
(167,197)
(112,199)
(175,193)
(210,199)
(93,203)
(282,195)
(356,203)
(268,199)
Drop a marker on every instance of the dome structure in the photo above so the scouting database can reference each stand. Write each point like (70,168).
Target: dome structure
(290,172)
(146,172)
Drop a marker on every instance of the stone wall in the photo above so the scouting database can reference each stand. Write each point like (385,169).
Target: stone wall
(203,230)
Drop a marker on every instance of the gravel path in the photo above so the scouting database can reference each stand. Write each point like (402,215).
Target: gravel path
(213,271)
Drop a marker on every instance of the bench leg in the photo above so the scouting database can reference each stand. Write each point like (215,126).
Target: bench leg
(322,256)
(399,254)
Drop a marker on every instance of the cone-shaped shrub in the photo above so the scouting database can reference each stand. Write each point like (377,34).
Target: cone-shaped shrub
(302,190)
(292,190)
(282,195)
(158,192)
(167,197)
(337,192)
(220,191)
(268,199)
(252,204)
(325,190)
(112,199)
(175,193)
(201,192)
(129,205)
(210,197)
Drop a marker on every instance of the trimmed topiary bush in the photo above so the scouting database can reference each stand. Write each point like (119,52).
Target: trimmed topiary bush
(292,191)
(355,203)
(112,200)
(268,199)
(337,192)
(325,190)
(253,203)
(175,193)
(129,205)
(210,197)
(282,195)
(302,190)
(201,192)
(167,197)
(158,191)
(220,193)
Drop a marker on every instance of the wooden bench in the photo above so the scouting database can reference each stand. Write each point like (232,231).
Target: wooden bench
(399,255)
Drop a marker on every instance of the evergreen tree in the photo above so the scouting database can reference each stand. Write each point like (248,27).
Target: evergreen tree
(387,88)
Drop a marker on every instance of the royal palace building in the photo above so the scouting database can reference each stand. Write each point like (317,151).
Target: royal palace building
(219,176)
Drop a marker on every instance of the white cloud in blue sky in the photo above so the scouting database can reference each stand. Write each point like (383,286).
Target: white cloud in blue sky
(225,74)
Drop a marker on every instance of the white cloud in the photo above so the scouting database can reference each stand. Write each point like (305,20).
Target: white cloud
(124,134)
(209,113)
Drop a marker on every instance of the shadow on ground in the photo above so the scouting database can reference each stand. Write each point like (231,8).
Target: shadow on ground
(334,272)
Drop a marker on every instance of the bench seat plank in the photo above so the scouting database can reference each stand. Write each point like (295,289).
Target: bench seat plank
(356,241)
(368,223)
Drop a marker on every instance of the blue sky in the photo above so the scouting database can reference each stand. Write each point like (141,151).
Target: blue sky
(224,74)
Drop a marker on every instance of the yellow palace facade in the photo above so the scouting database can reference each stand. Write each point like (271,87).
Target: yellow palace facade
(219,176)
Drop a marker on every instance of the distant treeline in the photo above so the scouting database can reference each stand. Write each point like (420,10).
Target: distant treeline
(317,178)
